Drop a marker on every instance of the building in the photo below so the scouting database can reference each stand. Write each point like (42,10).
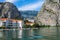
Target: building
(29,23)
(31,20)
(3,21)
(14,23)
(11,23)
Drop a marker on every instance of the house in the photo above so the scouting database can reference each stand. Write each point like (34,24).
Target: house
(11,23)
(20,23)
(14,23)
(31,20)
(29,23)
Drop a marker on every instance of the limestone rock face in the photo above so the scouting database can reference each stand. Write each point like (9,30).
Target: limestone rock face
(49,13)
(6,8)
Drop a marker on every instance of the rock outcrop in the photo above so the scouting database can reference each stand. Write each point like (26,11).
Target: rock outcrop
(49,13)
(6,8)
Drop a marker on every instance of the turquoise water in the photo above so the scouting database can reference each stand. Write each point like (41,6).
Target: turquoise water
(51,33)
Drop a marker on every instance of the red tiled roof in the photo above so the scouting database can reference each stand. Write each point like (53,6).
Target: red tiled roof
(16,20)
(13,20)
(3,19)
(28,23)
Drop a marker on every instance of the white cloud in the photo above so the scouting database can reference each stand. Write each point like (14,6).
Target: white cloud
(33,6)
(12,1)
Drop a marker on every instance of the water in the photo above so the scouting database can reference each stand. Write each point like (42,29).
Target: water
(51,33)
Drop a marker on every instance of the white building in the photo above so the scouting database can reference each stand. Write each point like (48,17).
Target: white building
(31,20)
(12,23)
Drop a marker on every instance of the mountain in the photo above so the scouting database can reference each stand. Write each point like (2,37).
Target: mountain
(7,9)
(30,14)
(49,13)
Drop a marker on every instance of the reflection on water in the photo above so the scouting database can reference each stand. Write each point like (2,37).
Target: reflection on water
(19,33)
(52,33)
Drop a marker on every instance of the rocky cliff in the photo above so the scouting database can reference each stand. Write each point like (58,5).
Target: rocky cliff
(49,13)
(7,8)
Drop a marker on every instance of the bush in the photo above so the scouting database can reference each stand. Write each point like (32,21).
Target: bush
(45,25)
(2,27)
(26,26)
(26,21)
(36,25)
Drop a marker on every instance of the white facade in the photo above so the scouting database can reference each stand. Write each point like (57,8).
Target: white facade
(1,23)
(20,24)
(14,23)
(11,23)
(31,20)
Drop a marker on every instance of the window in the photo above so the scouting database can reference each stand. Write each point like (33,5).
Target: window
(4,23)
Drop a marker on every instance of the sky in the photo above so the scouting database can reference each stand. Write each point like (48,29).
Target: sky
(24,5)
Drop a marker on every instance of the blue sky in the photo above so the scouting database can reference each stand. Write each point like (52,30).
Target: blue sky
(26,4)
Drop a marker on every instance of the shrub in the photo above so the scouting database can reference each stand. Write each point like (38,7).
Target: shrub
(26,26)
(36,25)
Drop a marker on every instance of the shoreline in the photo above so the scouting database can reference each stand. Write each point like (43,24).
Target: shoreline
(19,29)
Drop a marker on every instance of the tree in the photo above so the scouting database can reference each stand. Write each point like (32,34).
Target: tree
(36,25)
